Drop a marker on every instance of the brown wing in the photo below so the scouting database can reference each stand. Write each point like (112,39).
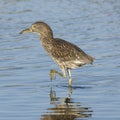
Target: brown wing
(65,51)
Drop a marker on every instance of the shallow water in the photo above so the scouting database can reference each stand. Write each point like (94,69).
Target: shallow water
(26,92)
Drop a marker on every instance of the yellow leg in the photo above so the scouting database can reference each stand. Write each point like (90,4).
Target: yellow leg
(70,81)
(63,74)
(54,72)
(70,77)
(70,91)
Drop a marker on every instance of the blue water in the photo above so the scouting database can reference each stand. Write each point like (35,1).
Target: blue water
(26,92)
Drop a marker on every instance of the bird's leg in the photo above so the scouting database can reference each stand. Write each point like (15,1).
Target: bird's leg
(54,72)
(70,76)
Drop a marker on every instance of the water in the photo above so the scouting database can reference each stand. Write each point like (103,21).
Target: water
(26,92)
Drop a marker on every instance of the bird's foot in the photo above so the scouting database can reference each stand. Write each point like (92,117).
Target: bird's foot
(52,74)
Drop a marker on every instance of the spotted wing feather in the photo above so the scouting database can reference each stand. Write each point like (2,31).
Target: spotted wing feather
(68,54)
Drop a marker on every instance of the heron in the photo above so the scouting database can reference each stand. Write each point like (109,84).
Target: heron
(67,55)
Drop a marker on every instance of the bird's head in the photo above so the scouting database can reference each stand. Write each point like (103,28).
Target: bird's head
(41,28)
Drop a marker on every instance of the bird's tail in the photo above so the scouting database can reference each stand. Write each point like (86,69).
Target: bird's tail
(90,59)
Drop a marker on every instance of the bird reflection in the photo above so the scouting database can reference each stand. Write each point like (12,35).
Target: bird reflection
(65,108)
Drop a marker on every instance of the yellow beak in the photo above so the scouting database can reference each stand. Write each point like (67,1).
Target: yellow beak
(26,31)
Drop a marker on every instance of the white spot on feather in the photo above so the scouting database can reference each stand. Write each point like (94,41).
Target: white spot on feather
(79,62)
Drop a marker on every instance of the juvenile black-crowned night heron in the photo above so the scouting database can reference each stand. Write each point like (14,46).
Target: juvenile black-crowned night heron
(67,55)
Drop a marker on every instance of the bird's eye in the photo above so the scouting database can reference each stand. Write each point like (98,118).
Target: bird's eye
(33,26)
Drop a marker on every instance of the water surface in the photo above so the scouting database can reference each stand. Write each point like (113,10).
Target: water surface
(26,92)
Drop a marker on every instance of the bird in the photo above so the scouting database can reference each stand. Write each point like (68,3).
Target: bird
(66,54)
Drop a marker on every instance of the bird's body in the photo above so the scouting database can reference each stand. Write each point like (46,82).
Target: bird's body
(67,55)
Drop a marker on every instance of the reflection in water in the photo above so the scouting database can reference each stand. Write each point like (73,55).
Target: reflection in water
(65,108)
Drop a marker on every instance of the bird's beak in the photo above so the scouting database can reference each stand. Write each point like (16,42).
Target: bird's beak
(26,31)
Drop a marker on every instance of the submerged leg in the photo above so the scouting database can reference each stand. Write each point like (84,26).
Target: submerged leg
(54,72)
(70,76)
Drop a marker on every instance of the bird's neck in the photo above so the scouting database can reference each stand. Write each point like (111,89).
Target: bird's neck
(46,42)
(46,39)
